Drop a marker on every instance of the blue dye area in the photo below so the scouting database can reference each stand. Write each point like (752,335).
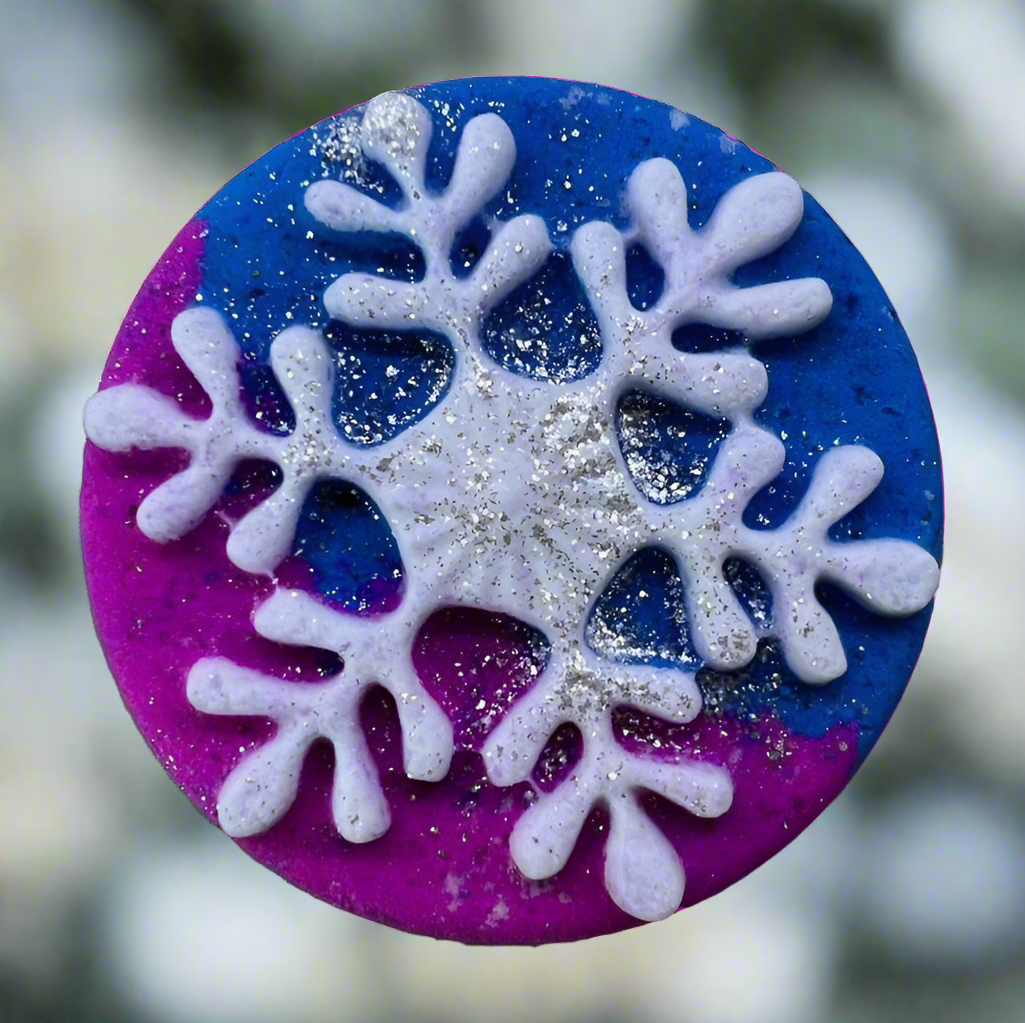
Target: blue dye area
(852,380)
(674,447)
(385,381)
(545,327)
(344,539)
(634,609)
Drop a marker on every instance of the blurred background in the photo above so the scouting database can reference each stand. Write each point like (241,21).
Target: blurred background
(905,901)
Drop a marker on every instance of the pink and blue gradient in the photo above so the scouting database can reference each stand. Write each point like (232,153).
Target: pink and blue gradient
(444,867)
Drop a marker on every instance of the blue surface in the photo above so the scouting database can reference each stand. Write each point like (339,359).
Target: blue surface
(853,379)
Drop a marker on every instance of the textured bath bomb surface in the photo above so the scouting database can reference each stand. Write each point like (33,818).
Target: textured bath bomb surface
(511,510)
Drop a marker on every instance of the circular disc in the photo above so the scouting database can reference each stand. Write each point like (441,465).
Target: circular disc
(512,510)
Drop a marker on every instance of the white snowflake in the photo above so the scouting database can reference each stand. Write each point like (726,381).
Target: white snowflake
(513,494)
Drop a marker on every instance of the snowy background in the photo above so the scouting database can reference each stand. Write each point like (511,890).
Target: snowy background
(905,901)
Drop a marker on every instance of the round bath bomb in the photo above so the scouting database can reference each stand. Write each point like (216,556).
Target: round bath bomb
(511,510)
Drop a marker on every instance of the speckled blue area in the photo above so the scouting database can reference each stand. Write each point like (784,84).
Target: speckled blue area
(852,380)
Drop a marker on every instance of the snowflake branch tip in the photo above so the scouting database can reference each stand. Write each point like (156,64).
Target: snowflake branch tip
(721,631)
(131,416)
(358,806)
(643,874)
(363,300)
(396,131)
(750,458)
(808,635)
(206,345)
(296,618)
(179,504)
(656,197)
(263,785)
(543,839)
(342,208)
(512,748)
(843,478)
(262,538)
(890,577)
(517,250)
(755,217)
(428,741)
(598,252)
(484,161)
(704,790)
(770,310)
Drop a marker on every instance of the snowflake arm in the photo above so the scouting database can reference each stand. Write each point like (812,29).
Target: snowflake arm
(642,872)
(263,785)
(128,416)
(753,218)
(396,131)
(700,533)
(892,577)
(889,577)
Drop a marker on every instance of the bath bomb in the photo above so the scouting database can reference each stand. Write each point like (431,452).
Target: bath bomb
(511,510)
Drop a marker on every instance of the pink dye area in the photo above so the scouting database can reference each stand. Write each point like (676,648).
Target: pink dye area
(444,867)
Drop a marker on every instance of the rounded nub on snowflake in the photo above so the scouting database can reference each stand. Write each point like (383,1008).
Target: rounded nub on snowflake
(514,495)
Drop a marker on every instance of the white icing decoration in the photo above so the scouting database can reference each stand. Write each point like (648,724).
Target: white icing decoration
(513,495)
(262,786)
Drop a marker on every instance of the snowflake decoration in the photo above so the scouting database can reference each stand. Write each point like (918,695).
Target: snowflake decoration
(513,495)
